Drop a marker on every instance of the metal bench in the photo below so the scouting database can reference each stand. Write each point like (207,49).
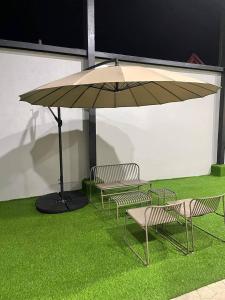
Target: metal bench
(113,177)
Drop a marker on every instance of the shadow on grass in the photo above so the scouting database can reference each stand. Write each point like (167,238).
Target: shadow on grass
(160,248)
(11,209)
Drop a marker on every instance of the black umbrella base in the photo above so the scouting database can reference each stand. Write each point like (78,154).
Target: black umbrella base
(52,203)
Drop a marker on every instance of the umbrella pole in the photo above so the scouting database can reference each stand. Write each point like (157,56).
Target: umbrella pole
(54,203)
(60,155)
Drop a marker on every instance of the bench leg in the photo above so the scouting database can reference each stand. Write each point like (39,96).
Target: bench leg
(109,204)
(102,196)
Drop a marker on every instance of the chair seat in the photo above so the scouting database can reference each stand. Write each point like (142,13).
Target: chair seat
(140,214)
(120,184)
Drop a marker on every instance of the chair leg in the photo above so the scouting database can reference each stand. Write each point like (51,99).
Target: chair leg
(177,244)
(117,212)
(192,235)
(206,231)
(146,247)
(145,260)
(223,214)
(187,235)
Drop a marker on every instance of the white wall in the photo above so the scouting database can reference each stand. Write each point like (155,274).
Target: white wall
(172,140)
(167,141)
(29,163)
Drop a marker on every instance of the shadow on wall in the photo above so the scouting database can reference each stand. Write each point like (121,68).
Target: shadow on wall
(32,167)
(106,153)
(76,164)
(45,158)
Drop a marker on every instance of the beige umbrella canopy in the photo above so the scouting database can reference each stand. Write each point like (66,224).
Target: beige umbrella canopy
(119,86)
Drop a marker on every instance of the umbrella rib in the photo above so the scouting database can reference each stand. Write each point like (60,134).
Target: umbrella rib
(79,96)
(199,85)
(168,90)
(157,100)
(109,86)
(188,90)
(99,91)
(123,85)
(132,93)
(31,94)
(63,95)
(35,102)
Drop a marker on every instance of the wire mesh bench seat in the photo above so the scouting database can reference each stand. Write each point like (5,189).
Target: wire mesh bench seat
(107,178)
(129,198)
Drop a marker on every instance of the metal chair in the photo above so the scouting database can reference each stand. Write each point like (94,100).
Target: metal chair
(200,207)
(151,217)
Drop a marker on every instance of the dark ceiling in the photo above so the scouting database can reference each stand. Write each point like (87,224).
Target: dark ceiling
(162,29)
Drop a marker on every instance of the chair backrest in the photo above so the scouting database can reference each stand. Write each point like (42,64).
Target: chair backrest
(159,214)
(204,206)
(115,173)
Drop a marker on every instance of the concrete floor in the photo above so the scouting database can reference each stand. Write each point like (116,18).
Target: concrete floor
(214,291)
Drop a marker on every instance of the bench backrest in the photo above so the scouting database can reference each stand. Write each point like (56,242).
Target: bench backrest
(115,173)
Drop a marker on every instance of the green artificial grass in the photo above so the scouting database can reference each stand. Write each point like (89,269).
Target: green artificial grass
(81,254)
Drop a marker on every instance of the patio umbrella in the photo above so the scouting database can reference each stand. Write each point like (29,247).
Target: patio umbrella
(111,87)
(118,86)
